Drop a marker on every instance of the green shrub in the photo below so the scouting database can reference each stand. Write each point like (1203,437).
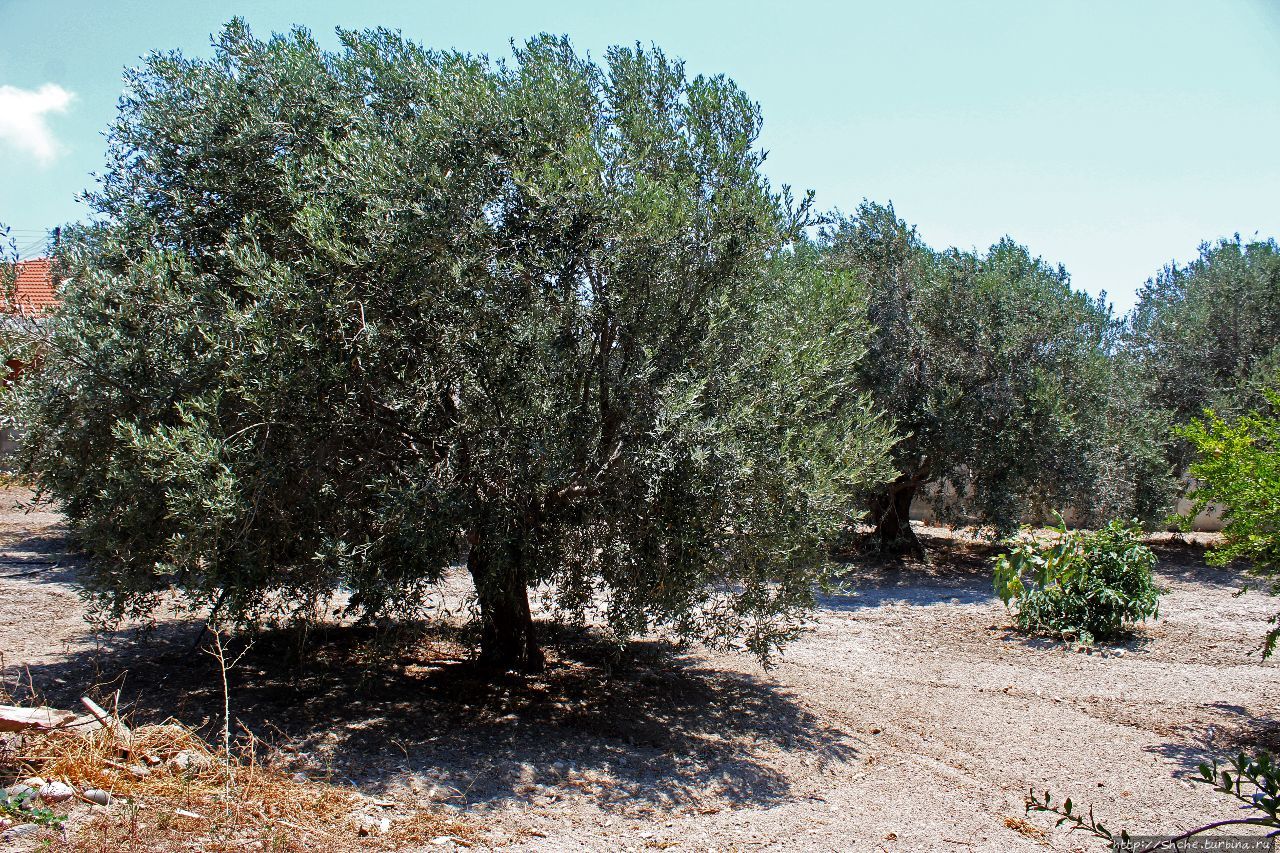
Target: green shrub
(1087,584)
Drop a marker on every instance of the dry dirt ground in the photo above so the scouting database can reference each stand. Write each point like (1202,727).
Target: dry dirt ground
(910,719)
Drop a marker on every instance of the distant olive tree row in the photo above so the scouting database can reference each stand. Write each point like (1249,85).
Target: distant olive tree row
(1021,394)
(342,319)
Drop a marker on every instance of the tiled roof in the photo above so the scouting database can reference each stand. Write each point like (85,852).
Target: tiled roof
(33,290)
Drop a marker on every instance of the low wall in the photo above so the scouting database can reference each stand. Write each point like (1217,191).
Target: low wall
(1208,521)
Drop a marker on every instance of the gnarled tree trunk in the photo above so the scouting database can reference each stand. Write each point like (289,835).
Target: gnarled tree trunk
(891,515)
(508,642)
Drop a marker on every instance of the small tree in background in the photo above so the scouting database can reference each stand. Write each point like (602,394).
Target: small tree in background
(1237,467)
(1000,380)
(344,316)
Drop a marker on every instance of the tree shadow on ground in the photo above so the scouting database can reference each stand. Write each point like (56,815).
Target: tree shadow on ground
(1132,642)
(863,595)
(1226,731)
(1184,560)
(957,571)
(947,551)
(41,558)
(648,729)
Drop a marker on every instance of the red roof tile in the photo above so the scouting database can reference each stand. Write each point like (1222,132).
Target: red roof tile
(33,291)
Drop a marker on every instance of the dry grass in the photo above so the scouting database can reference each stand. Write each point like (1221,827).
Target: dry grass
(215,803)
(1026,828)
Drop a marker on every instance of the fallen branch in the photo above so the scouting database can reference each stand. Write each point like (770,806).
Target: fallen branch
(109,721)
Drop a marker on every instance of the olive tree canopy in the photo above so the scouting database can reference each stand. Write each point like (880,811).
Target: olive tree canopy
(1207,335)
(342,318)
(1000,379)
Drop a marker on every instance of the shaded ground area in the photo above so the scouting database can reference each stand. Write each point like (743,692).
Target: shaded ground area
(909,719)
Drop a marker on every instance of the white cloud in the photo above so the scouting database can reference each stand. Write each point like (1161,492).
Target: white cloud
(22,118)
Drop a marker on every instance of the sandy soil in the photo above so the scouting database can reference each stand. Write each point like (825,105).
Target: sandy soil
(910,719)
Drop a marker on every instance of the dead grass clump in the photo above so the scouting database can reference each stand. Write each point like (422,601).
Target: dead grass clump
(170,791)
(1024,827)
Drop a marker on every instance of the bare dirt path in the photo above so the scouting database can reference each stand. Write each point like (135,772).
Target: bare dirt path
(909,719)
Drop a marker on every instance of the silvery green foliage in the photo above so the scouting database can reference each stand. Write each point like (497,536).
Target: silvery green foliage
(1000,378)
(1207,335)
(344,317)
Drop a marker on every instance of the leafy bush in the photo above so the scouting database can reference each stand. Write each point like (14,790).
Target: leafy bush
(1088,584)
(1238,467)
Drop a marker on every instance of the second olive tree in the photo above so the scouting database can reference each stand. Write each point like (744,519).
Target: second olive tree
(1002,381)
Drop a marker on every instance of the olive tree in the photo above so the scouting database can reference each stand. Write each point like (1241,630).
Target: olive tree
(342,318)
(1000,381)
(1207,335)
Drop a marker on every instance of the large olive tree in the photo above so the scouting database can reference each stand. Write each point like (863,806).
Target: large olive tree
(342,318)
(1000,380)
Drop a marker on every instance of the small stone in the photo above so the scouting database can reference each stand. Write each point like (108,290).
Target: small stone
(22,830)
(300,777)
(1118,653)
(97,796)
(34,782)
(21,791)
(369,826)
(188,760)
(56,792)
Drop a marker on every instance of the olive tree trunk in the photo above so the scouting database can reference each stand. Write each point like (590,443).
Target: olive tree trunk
(891,515)
(508,642)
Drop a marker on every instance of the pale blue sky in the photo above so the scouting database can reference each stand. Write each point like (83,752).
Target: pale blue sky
(1109,136)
